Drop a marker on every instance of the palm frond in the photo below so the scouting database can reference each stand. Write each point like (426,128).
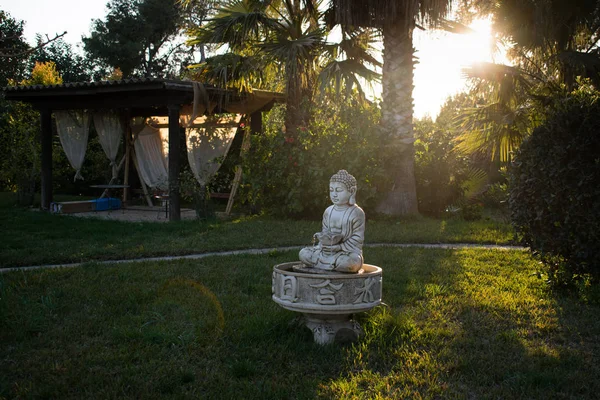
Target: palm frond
(358,44)
(454,27)
(343,76)
(236,24)
(495,130)
(230,71)
(508,82)
(475,183)
(289,50)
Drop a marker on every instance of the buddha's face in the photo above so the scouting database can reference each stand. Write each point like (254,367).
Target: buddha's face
(339,193)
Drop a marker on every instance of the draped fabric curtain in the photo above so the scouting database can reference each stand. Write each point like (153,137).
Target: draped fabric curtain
(208,141)
(73,130)
(151,154)
(110,131)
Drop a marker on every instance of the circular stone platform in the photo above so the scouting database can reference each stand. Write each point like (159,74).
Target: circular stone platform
(327,300)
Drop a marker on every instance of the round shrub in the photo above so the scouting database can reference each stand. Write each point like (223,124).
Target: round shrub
(555,189)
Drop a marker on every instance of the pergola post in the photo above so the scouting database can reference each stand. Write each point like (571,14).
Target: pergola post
(174,163)
(46,172)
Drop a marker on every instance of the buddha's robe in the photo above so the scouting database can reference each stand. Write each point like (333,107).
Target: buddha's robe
(350,224)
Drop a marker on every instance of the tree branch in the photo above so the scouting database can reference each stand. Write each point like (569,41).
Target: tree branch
(5,54)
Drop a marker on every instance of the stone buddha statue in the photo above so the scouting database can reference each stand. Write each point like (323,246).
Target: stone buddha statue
(340,242)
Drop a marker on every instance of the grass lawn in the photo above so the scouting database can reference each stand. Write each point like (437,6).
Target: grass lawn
(458,324)
(33,237)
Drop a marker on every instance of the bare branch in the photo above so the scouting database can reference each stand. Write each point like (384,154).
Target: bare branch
(4,54)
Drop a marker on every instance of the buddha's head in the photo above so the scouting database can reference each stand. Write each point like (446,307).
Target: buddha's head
(342,188)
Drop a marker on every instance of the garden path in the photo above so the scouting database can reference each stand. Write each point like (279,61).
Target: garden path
(266,251)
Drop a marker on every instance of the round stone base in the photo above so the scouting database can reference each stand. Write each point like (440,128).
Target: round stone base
(327,299)
(329,329)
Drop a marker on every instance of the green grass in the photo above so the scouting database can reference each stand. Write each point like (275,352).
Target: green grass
(458,324)
(34,237)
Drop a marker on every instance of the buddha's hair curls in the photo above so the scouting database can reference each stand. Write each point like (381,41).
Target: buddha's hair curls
(344,177)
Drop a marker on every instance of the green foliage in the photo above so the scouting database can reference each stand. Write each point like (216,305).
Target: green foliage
(496,196)
(287,175)
(19,133)
(20,130)
(448,181)
(71,66)
(196,195)
(550,47)
(440,171)
(138,38)
(20,163)
(13,49)
(283,46)
(555,188)
(43,73)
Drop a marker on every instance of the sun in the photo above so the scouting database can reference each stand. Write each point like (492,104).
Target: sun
(441,57)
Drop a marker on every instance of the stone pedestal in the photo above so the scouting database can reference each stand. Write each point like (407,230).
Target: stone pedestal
(327,300)
(327,329)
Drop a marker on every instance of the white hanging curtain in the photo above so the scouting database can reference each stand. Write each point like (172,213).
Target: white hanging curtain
(73,129)
(110,131)
(150,152)
(208,142)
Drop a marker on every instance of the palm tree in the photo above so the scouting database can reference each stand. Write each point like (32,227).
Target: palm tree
(397,21)
(504,114)
(552,43)
(562,33)
(267,40)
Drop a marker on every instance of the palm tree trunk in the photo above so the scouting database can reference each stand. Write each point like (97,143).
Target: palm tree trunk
(298,92)
(397,117)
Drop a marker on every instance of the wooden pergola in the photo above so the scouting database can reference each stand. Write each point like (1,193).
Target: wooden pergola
(136,98)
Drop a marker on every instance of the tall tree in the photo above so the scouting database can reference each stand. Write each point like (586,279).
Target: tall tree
(138,37)
(550,43)
(397,21)
(282,42)
(19,138)
(13,49)
(559,35)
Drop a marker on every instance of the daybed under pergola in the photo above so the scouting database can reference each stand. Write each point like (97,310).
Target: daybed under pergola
(138,98)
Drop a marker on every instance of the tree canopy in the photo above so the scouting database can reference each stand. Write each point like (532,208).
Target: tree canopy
(13,49)
(283,46)
(551,44)
(139,37)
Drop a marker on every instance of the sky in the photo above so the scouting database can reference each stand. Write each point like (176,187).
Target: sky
(51,17)
(437,76)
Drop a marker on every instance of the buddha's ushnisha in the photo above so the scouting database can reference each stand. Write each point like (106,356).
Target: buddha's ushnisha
(343,232)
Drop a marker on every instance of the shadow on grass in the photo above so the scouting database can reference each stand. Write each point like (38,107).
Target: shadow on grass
(470,324)
(462,324)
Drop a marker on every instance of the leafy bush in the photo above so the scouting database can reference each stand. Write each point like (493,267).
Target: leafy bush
(555,189)
(440,172)
(288,174)
(496,196)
